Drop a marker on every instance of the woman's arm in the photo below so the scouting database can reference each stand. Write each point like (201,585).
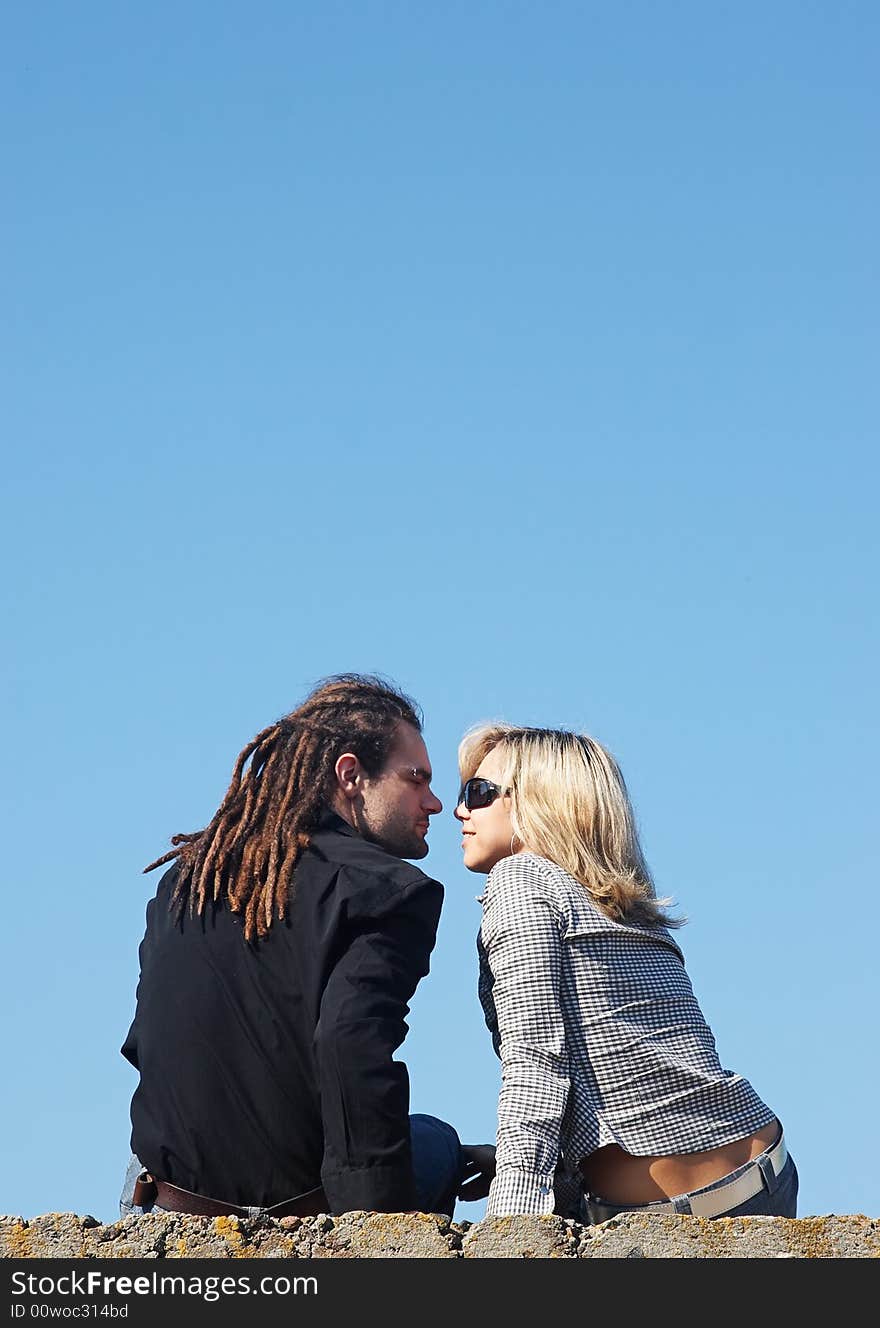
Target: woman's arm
(522,935)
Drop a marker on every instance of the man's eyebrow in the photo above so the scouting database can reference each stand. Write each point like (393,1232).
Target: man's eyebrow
(422,773)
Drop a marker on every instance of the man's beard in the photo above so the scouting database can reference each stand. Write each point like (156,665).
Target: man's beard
(397,837)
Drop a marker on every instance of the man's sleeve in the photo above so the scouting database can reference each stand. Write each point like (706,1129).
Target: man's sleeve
(364,1092)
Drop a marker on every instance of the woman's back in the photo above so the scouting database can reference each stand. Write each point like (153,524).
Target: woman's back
(623,1022)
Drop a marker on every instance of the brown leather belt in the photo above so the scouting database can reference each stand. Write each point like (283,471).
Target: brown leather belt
(149,1190)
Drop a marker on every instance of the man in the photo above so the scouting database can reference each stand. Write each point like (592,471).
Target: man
(281,950)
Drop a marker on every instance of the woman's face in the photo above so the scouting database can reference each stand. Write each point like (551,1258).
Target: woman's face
(486,832)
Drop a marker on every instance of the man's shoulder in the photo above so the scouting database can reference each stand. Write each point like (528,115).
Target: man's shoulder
(364,861)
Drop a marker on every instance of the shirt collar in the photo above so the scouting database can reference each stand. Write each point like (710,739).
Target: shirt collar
(331,820)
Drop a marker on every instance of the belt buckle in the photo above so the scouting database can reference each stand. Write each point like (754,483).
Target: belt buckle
(145,1190)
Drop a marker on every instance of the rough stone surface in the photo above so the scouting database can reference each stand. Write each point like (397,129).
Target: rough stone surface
(429,1236)
(523,1238)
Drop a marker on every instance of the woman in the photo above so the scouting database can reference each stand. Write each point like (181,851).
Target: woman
(613,1098)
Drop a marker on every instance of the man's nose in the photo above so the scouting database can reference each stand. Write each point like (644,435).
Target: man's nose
(433,804)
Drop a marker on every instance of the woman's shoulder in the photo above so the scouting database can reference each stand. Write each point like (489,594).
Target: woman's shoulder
(529,877)
(530,873)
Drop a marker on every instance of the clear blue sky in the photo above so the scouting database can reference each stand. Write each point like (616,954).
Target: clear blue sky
(526,354)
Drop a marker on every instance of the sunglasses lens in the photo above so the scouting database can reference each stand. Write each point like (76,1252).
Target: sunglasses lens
(477,793)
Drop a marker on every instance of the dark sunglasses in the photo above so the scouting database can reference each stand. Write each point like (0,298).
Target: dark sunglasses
(476,793)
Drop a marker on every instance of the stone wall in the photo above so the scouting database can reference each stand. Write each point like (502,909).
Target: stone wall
(427,1236)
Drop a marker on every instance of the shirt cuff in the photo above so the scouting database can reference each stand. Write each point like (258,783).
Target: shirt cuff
(515,1191)
(375,1189)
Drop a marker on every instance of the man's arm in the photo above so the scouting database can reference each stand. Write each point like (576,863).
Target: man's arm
(365,1093)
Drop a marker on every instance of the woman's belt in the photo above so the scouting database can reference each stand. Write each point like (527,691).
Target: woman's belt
(712,1200)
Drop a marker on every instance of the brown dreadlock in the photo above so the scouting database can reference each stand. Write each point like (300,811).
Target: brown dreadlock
(249,850)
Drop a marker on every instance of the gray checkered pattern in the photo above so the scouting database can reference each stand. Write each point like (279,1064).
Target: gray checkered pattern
(600,1037)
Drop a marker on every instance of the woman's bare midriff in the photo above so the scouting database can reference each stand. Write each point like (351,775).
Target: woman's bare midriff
(619,1177)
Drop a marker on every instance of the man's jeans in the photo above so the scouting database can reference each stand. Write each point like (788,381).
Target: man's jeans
(437,1165)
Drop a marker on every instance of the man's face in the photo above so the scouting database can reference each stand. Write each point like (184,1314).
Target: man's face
(397,802)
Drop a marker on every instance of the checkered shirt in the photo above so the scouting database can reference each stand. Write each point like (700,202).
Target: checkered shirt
(600,1037)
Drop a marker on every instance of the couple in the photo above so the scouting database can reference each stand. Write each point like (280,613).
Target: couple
(287,938)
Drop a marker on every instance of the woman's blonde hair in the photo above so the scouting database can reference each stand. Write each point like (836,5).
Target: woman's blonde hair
(569,803)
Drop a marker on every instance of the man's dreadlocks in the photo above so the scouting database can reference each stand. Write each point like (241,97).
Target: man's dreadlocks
(250,848)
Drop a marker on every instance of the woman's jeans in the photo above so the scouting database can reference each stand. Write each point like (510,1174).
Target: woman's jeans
(776,1198)
(437,1166)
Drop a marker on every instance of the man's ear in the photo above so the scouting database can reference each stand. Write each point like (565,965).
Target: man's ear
(348,775)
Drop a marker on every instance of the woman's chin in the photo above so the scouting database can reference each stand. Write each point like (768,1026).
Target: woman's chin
(472,859)
(480,861)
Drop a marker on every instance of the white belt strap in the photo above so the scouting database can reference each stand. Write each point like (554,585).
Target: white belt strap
(736,1192)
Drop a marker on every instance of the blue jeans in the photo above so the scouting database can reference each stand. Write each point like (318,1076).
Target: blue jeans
(777,1198)
(437,1166)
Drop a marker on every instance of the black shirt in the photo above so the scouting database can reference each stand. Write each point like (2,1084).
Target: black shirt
(266,1067)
